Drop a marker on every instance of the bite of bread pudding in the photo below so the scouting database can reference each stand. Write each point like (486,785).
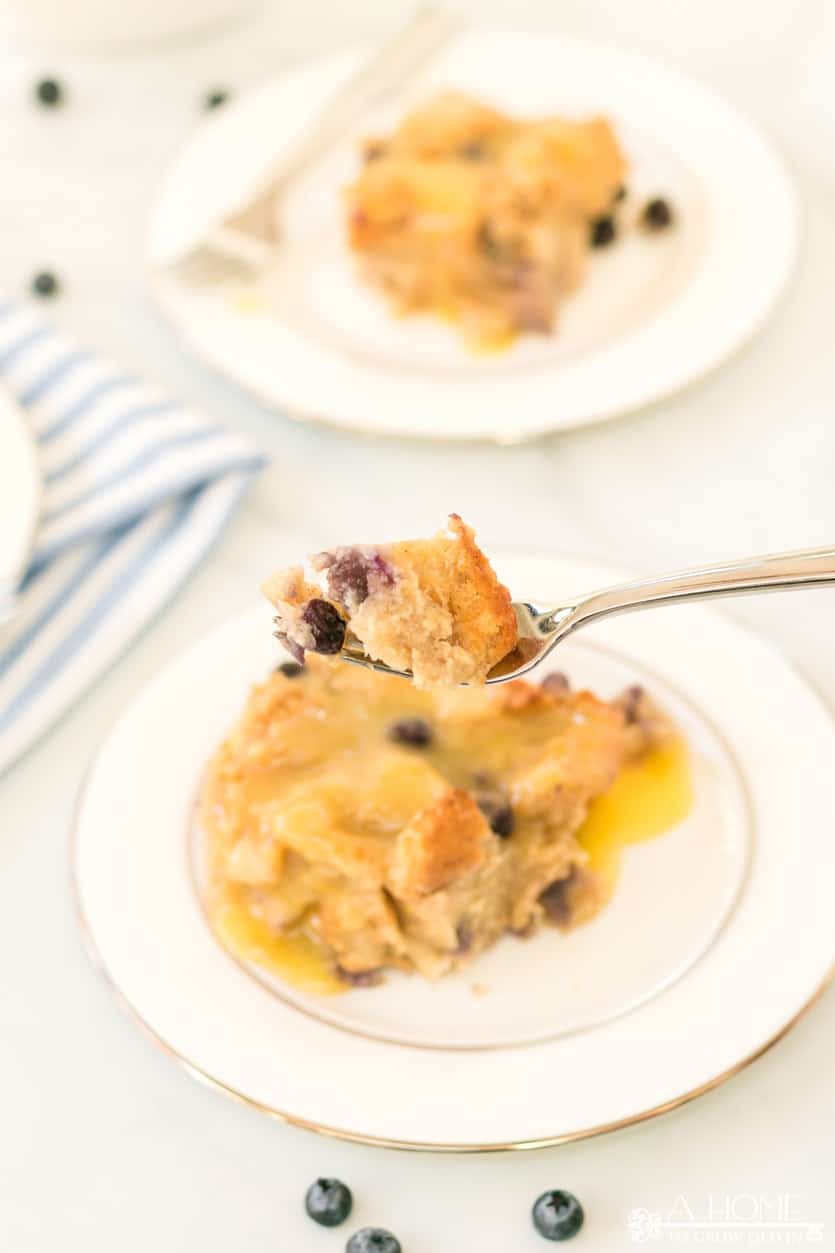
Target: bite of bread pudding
(434,607)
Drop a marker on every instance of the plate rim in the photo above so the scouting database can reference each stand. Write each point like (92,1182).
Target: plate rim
(159,280)
(380,1141)
(386,1142)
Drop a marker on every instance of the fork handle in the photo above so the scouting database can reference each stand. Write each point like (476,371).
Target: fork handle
(809,567)
(387,70)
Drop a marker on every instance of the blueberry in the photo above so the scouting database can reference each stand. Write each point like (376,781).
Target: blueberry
(620,194)
(326,626)
(412,731)
(555,900)
(657,214)
(373,1240)
(497,812)
(214,99)
(328,1202)
(45,284)
(557,1215)
(555,683)
(49,92)
(353,575)
(602,231)
(360,978)
(630,703)
(290,669)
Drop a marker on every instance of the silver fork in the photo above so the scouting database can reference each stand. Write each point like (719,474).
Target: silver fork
(542,627)
(247,240)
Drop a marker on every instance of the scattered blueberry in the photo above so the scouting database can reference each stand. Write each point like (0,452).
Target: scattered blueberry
(657,214)
(326,626)
(49,92)
(555,683)
(412,731)
(45,284)
(602,231)
(328,1202)
(558,1215)
(290,669)
(373,1240)
(497,812)
(214,99)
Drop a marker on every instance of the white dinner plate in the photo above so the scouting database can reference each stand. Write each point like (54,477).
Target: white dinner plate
(670,990)
(20,491)
(654,314)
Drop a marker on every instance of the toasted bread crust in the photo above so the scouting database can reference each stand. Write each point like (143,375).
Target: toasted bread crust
(441,844)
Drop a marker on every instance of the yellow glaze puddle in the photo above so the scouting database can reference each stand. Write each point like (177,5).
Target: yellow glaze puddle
(648,798)
(295,958)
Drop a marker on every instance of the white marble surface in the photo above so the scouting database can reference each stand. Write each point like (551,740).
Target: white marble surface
(105,1143)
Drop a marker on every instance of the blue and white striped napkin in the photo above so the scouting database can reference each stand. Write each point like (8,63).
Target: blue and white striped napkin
(137,487)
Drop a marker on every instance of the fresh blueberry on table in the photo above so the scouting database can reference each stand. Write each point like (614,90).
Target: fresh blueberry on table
(49,92)
(373,1240)
(602,231)
(557,1215)
(214,99)
(290,669)
(45,284)
(328,1202)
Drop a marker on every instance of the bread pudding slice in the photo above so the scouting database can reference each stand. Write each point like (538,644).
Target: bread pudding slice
(433,607)
(482,218)
(392,827)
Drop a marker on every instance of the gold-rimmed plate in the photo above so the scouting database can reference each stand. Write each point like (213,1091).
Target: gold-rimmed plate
(665,994)
(652,316)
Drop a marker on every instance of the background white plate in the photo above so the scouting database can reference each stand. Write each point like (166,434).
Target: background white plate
(771,750)
(20,489)
(655,313)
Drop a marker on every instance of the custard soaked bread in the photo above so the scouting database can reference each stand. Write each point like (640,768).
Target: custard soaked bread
(392,827)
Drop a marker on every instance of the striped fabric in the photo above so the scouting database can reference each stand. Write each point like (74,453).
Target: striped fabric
(136,489)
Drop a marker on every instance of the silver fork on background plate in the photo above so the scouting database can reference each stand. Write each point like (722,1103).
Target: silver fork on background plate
(542,627)
(247,240)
